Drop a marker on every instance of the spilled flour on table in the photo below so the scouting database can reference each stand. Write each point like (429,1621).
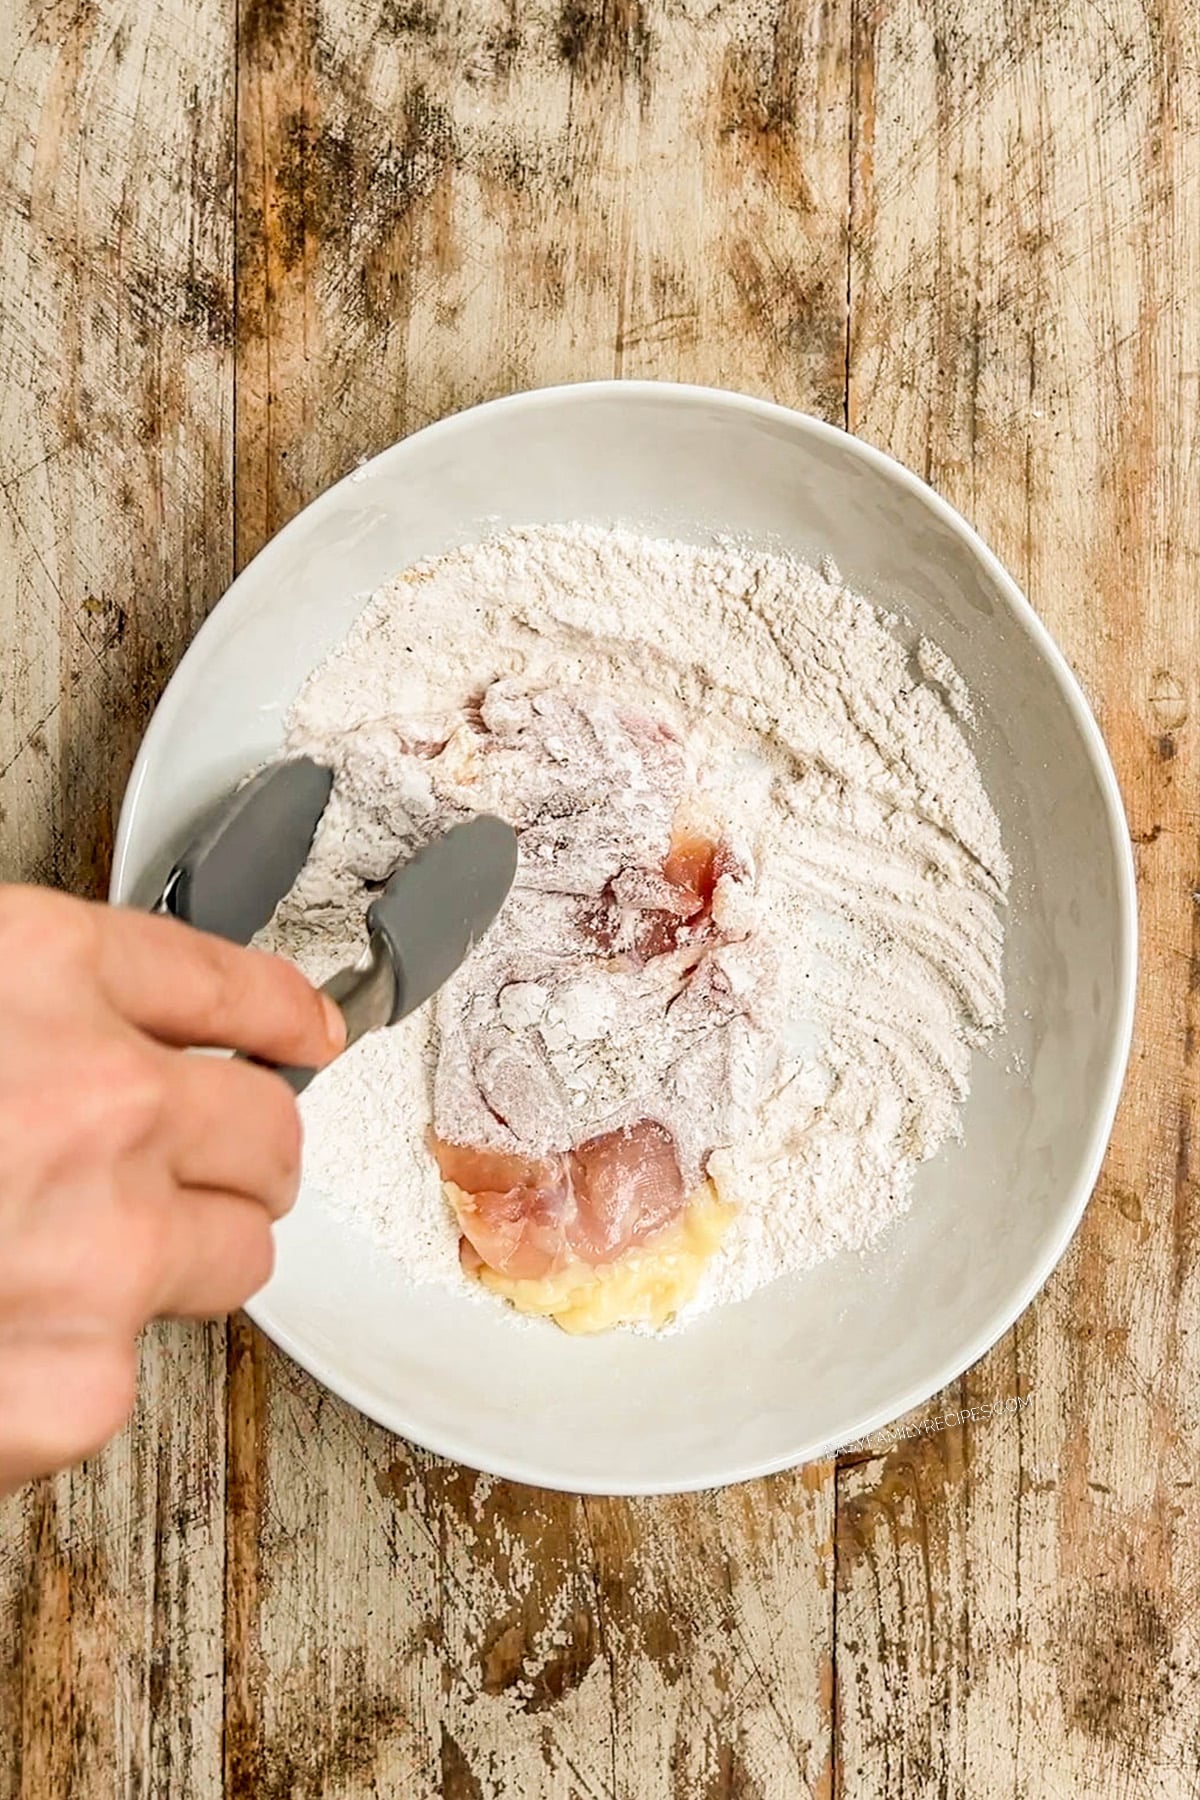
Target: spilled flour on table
(808,1044)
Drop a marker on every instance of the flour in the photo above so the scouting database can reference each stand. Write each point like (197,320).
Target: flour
(806,1039)
(937,669)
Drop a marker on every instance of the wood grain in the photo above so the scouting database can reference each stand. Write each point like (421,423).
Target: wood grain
(116,377)
(434,208)
(248,242)
(458,1635)
(1017,1602)
(115,321)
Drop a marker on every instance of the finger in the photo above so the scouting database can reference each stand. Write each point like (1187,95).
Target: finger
(235,1127)
(61,1398)
(187,987)
(220,1250)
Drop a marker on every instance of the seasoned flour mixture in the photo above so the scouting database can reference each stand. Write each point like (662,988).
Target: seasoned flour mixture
(800,1022)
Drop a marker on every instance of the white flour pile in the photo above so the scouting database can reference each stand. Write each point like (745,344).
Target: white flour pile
(806,1046)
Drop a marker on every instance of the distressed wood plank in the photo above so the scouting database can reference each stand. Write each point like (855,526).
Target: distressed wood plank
(110,1594)
(436,205)
(115,368)
(115,538)
(1017,1602)
(420,1629)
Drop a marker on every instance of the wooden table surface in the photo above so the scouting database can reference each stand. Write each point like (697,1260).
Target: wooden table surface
(242,247)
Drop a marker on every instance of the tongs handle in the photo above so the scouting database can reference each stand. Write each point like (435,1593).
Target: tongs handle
(366,995)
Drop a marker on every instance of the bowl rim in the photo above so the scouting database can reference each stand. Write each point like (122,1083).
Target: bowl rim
(996,1323)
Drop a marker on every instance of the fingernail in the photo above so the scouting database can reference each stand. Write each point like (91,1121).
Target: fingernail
(335,1025)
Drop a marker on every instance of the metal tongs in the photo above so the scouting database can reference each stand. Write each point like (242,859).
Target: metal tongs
(433,910)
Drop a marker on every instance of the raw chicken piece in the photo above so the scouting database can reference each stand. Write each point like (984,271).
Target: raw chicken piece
(643,913)
(592,1006)
(531,1216)
(692,869)
(598,783)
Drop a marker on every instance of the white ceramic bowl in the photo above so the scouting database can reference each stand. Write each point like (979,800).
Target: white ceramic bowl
(810,1362)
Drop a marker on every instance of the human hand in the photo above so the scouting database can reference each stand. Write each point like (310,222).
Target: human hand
(135,1181)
